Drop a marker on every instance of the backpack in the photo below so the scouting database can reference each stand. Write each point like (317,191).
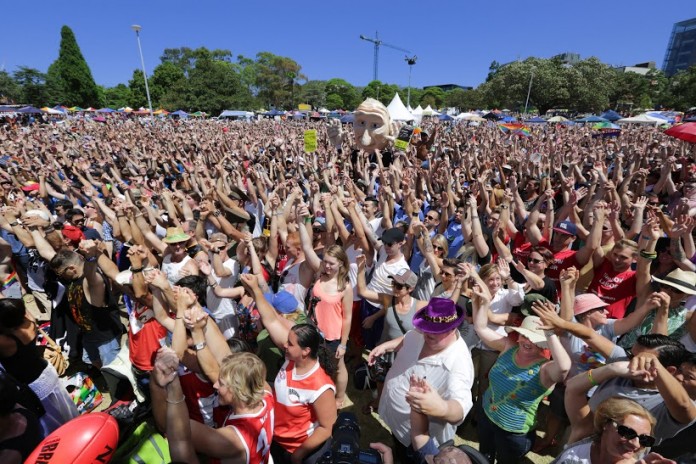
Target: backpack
(144,446)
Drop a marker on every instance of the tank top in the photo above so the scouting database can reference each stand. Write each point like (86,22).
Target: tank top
(26,365)
(391,327)
(329,312)
(514,393)
(255,430)
(171,270)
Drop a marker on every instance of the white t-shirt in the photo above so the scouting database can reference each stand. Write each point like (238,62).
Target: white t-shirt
(380,282)
(503,302)
(221,307)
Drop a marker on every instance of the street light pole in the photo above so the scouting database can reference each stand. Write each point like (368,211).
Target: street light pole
(137,29)
(411,61)
(529,91)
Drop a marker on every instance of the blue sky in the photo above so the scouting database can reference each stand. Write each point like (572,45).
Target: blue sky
(455,40)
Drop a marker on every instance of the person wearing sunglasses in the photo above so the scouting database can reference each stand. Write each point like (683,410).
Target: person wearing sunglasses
(621,431)
(435,250)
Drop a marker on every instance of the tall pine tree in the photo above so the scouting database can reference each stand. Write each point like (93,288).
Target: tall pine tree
(69,80)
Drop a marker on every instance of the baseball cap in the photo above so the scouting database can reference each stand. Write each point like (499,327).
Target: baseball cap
(405,277)
(567,228)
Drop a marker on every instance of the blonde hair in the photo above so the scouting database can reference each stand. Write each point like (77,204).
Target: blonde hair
(617,409)
(244,374)
(339,253)
(626,243)
(488,270)
(440,240)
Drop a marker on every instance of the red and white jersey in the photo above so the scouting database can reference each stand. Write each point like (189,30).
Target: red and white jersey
(255,431)
(615,288)
(294,396)
(201,399)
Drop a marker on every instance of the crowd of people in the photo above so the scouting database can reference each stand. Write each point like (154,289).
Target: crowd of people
(500,278)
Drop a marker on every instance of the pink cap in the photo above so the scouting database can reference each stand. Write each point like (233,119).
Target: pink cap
(587,302)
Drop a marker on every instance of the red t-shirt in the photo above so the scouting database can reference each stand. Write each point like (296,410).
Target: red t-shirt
(615,288)
(201,399)
(255,430)
(522,248)
(561,260)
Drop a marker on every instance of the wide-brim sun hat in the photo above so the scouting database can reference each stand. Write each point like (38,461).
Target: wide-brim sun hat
(684,281)
(587,302)
(439,316)
(531,328)
(176,235)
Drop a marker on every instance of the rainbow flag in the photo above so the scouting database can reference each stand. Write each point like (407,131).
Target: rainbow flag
(517,129)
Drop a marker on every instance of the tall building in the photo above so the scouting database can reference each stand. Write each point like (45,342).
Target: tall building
(681,50)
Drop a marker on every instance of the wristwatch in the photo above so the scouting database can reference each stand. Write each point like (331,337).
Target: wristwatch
(200,346)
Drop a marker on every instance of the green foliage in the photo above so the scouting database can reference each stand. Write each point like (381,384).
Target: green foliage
(275,80)
(69,80)
(33,84)
(683,89)
(137,89)
(313,93)
(117,97)
(433,96)
(464,100)
(346,93)
(10,90)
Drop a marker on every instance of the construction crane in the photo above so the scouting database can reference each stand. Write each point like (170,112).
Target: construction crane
(377,43)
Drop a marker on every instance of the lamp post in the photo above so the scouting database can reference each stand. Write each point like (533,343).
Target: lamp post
(529,91)
(137,29)
(411,61)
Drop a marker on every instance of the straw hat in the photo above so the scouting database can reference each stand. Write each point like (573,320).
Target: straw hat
(176,235)
(683,281)
(531,328)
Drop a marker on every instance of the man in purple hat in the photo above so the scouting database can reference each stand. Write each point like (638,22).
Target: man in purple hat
(435,353)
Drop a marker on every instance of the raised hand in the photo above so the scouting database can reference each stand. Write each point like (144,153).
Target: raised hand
(503,268)
(166,366)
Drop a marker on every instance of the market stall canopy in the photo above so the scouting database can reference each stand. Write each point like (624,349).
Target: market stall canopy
(557,119)
(29,110)
(348,118)
(642,119)
(161,111)
(686,131)
(106,110)
(445,117)
(535,120)
(398,111)
(610,115)
(591,118)
(179,114)
(48,110)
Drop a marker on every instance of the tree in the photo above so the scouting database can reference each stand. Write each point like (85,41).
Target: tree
(345,90)
(464,100)
(69,80)
(10,91)
(314,93)
(334,101)
(138,93)
(166,84)
(117,97)
(33,84)
(590,85)
(683,88)
(433,96)
(275,79)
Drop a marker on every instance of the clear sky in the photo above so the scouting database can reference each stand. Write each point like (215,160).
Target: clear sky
(455,41)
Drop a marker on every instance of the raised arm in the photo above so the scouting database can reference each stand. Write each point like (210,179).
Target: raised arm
(481,303)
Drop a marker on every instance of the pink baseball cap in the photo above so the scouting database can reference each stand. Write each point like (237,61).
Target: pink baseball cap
(587,302)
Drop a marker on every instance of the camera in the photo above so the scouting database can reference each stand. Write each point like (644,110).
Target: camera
(345,444)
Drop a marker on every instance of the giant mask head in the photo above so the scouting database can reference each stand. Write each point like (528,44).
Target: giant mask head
(373,126)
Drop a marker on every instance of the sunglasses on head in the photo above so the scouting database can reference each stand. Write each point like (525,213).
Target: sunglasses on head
(646,441)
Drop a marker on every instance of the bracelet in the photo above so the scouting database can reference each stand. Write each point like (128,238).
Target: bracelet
(649,256)
(213,285)
(49,229)
(344,347)
(136,270)
(14,224)
(91,260)
(183,398)
(548,333)
(308,220)
(200,346)
(645,238)
(591,379)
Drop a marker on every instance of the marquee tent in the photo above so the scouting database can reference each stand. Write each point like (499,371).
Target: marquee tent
(429,111)
(610,115)
(591,118)
(643,119)
(398,111)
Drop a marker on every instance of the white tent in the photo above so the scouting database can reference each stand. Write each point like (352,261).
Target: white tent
(642,119)
(418,111)
(430,112)
(398,111)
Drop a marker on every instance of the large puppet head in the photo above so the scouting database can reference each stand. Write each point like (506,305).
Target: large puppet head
(373,126)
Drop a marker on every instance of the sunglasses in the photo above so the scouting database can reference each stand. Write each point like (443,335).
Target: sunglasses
(646,441)
(398,286)
(432,218)
(535,261)
(448,274)
(438,247)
